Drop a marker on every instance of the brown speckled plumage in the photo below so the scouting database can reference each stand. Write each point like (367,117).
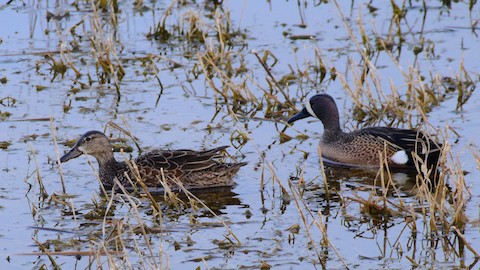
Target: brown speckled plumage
(366,146)
(194,169)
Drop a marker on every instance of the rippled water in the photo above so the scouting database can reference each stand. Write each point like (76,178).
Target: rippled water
(185,112)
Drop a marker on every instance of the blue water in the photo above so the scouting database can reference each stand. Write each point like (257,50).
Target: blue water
(185,117)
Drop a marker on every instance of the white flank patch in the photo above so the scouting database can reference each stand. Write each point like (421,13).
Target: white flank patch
(400,157)
(308,106)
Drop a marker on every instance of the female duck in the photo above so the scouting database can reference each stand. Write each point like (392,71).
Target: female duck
(403,148)
(194,169)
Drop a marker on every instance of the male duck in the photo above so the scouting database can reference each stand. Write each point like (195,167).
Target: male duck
(362,147)
(194,169)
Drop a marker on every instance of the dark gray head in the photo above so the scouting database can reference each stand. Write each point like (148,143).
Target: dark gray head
(322,107)
(93,143)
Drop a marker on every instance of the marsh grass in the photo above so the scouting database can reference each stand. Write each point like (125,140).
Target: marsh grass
(104,46)
(153,259)
(195,26)
(100,29)
(437,211)
(420,95)
(434,214)
(213,49)
(127,239)
(311,220)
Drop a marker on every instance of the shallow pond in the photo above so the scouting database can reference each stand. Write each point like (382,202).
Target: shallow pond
(185,74)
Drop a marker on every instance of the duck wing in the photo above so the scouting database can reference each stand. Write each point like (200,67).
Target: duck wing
(406,139)
(181,161)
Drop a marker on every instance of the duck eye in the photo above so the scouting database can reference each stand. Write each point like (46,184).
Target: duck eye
(88,139)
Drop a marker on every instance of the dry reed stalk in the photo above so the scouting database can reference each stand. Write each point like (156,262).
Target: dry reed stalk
(461,236)
(276,179)
(220,30)
(322,169)
(262,61)
(46,252)
(55,145)
(126,131)
(139,220)
(476,156)
(65,51)
(191,195)
(318,223)
(241,90)
(97,176)
(387,182)
(138,181)
(306,226)
(43,191)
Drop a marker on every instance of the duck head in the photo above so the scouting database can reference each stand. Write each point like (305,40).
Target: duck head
(93,143)
(323,107)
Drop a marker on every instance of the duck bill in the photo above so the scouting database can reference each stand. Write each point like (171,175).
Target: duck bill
(302,114)
(71,154)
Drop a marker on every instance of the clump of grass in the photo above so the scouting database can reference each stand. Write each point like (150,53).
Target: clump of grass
(106,5)
(4,115)
(58,67)
(160,32)
(222,68)
(101,33)
(274,84)
(238,139)
(104,48)
(193,27)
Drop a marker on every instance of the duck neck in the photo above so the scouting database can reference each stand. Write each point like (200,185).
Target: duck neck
(331,125)
(330,135)
(108,167)
(328,114)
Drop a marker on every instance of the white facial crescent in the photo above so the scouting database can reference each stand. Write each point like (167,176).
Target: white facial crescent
(308,106)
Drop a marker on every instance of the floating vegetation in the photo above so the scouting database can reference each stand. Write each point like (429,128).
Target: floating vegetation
(58,67)
(4,144)
(4,115)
